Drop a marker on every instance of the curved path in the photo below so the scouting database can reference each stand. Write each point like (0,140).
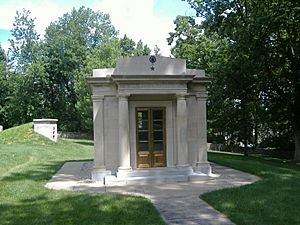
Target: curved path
(178,203)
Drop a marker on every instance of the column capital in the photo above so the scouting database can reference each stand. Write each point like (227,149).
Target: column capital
(123,96)
(182,95)
(96,98)
(201,95)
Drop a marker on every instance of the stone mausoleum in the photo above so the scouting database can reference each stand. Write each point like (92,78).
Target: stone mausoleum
(149,118)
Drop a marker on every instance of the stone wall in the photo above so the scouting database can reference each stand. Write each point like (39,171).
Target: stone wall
(76,135)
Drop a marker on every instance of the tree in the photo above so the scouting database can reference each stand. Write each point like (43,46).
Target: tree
(141,49)
(3,60)
(212,53)
(3,87)
(68,42)
(48,76)
(105,55)
(24,90)
(157,50)
(265,38)
(24,45)
(127,46)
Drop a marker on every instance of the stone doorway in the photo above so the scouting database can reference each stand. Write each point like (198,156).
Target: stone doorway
(151,137)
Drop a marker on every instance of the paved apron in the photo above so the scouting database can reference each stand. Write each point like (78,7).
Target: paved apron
(178,203)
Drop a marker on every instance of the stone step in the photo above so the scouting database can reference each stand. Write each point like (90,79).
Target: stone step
(143,180)
(115,181)
(156,172)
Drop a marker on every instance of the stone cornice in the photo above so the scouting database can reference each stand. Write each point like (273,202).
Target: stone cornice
(97,98)
(182,95)
(201,80)
(152,78)
(201,95)
(123,96)
(98,80)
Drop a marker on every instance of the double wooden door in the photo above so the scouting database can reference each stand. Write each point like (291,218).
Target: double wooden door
(151,137)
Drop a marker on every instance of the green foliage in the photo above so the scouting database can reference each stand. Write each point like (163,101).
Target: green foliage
(42,78)
(2,57)
(255,72)
(5,85)
(68,42)
(199,49)
(141,49)
(254,204)
(127,46)
(156,50)
(29,97)
(103,56)
(48,76)
(26,81)
(25,43)
(2,79)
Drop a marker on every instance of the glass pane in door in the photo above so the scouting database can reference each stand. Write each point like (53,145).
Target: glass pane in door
(157,114)
(158,145)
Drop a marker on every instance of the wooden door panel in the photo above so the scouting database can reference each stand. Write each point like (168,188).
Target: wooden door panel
(144,159)
(159,159)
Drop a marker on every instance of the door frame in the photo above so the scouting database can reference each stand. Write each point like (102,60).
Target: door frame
(170,132)
(150,129)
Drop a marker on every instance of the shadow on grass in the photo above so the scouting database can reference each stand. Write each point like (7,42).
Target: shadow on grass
(265,167)
(38,172)
(80,209)
(84,143)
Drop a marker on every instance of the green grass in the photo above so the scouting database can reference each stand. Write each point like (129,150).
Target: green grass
(275,199)
(28,161)
(23,134)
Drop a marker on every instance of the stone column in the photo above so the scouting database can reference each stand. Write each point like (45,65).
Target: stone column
(124,145)
(202,165)
(99,169)
(181,119)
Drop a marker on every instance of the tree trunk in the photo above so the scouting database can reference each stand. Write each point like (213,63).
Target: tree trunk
(255,135)
(244,125)
(297,143)
(246,147)
(297,125)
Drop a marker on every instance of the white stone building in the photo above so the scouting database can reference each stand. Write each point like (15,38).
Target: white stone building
(149,118)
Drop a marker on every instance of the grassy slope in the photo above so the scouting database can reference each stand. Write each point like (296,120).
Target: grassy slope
(273,200)
(23,134)
(29,160)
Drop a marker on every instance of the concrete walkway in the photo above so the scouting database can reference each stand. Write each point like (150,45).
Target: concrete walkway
(178,203)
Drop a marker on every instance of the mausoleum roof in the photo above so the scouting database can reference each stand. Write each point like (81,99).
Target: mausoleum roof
(149,65)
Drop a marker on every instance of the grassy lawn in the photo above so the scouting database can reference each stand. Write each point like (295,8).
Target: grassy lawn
(275,199)
(28,161)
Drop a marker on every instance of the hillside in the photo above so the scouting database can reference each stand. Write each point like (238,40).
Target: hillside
(22,134)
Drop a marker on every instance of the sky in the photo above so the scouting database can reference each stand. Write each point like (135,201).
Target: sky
(148,20)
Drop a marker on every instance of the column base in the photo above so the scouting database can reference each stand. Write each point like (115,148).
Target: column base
(98,174)
(183,166)
(203,167)
(123,171)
